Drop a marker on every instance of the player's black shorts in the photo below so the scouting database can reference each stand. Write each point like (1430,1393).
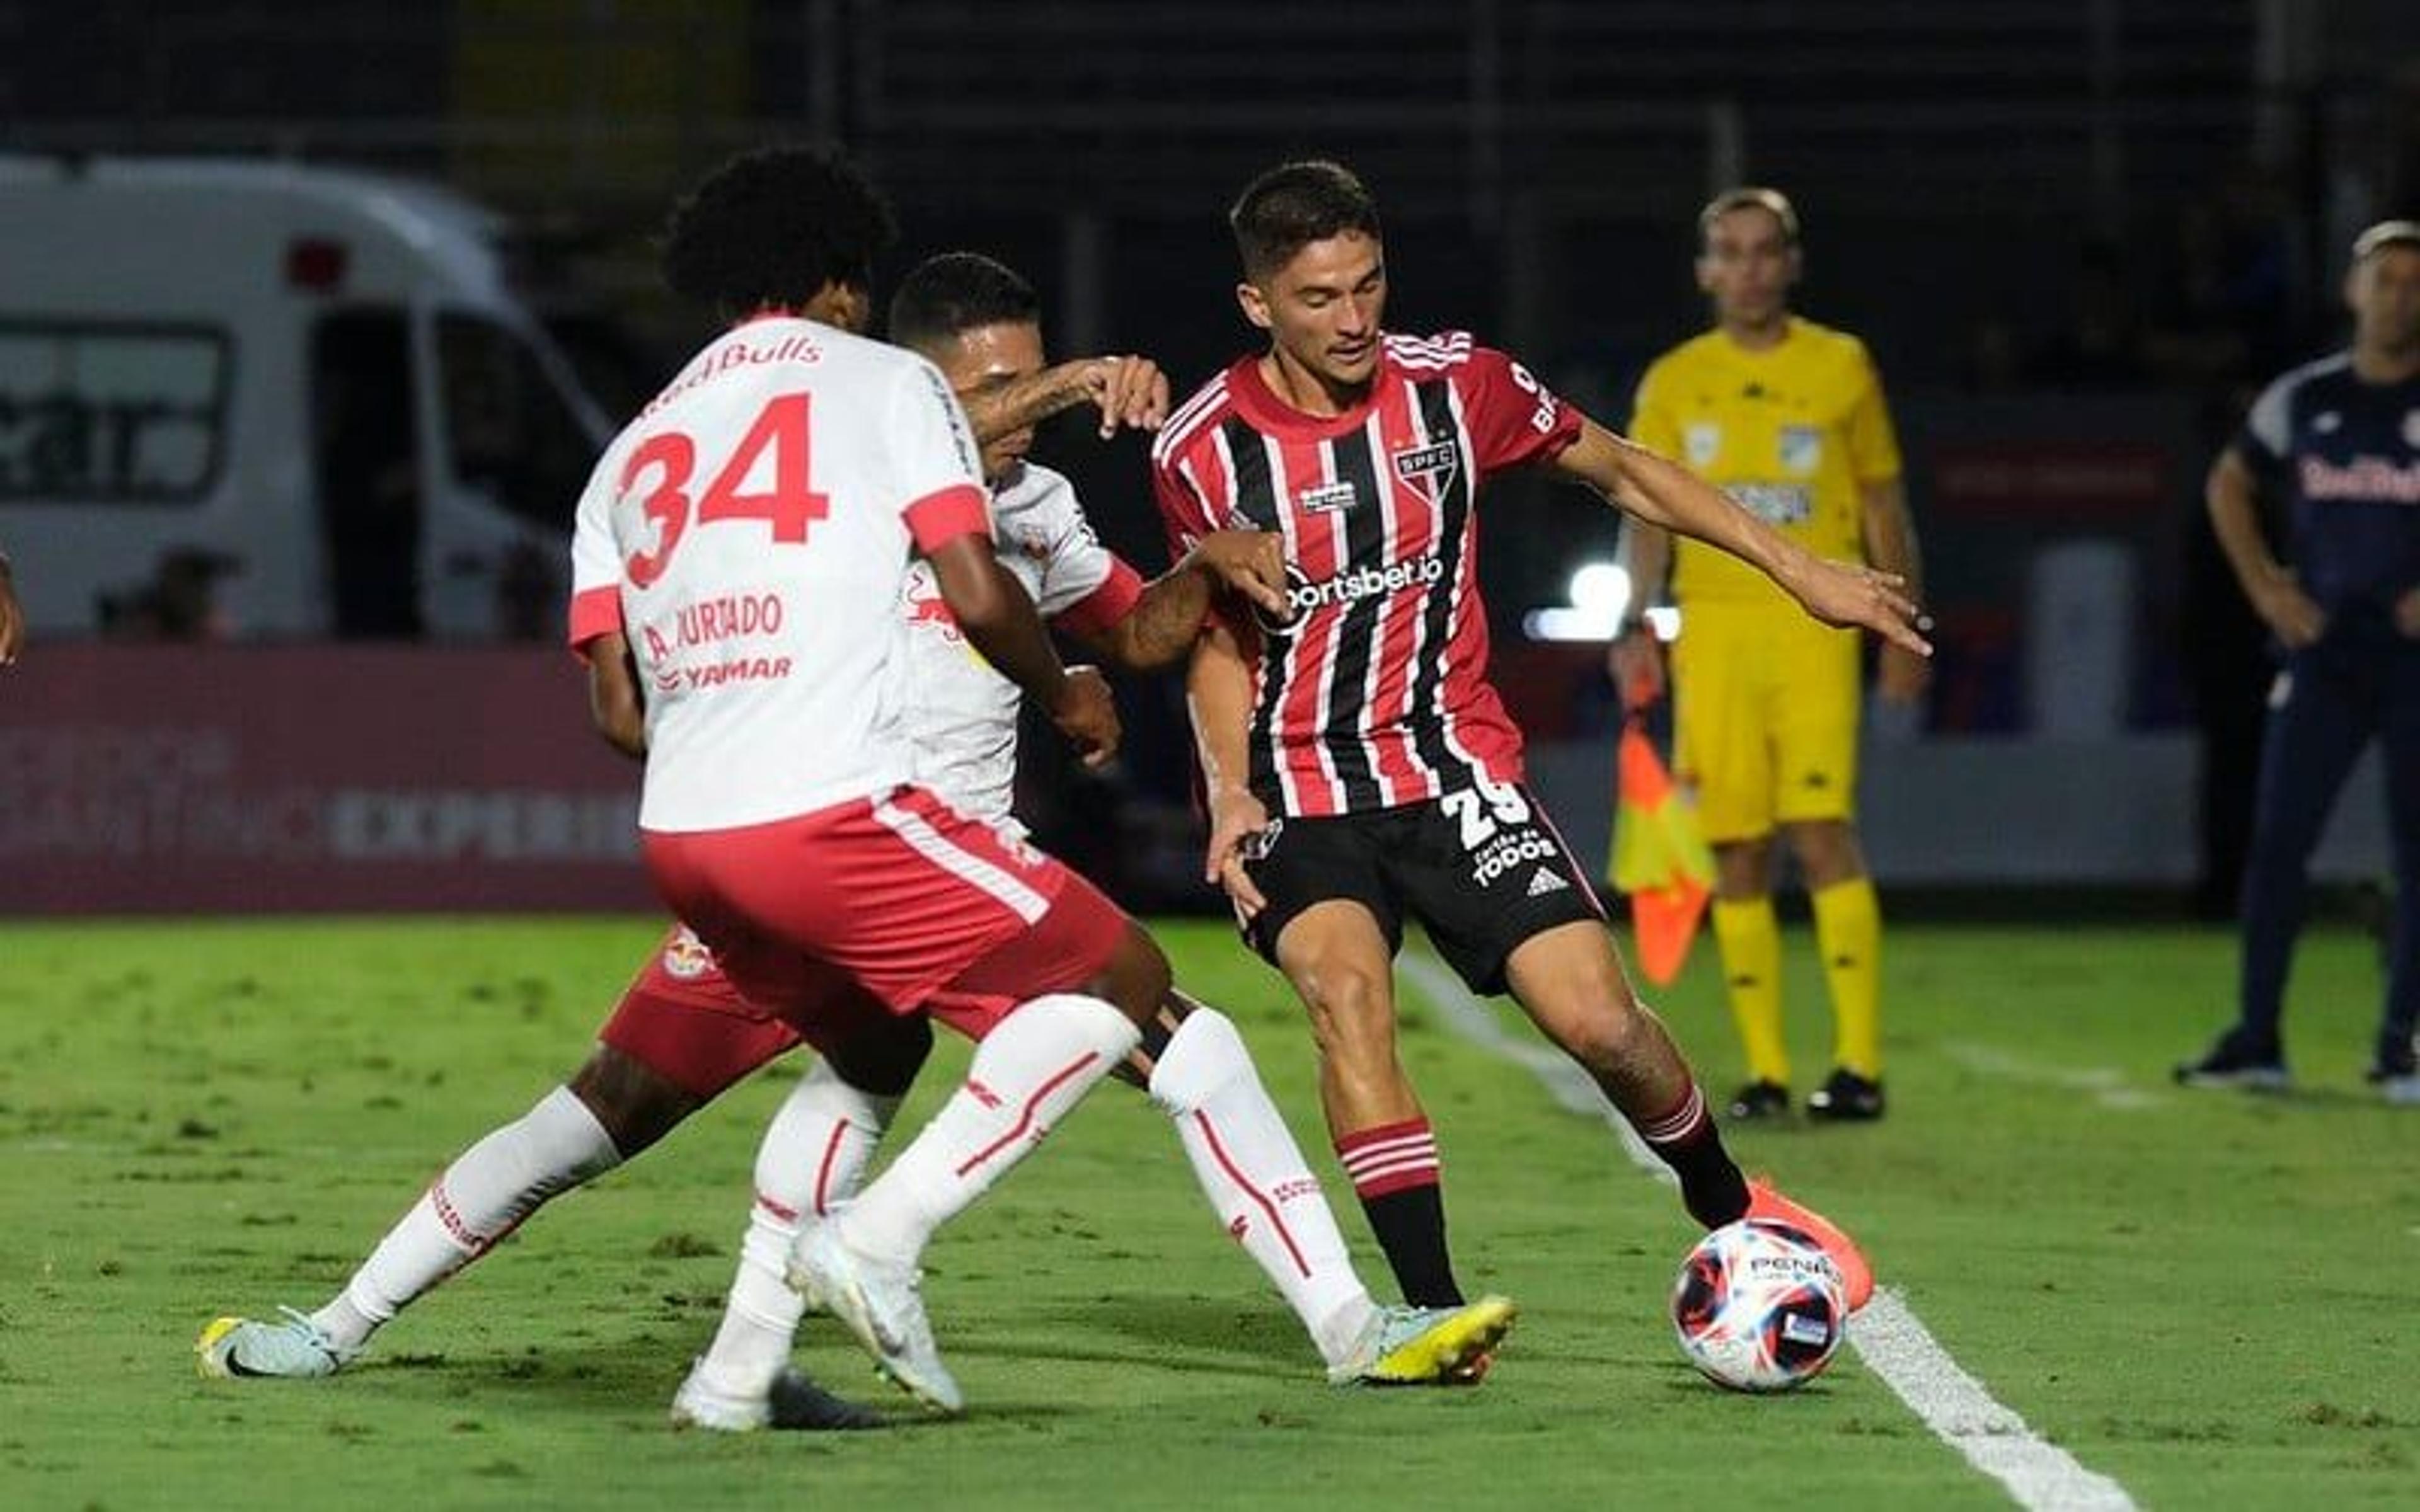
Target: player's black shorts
(1483,869)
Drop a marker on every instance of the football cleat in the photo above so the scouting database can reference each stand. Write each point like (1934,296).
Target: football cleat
(794,1403)
(882,1302)
(1426,1346)
(1846,1097)
(1758,1102)
(239,1349)
(2235,1063)
(1766,1205)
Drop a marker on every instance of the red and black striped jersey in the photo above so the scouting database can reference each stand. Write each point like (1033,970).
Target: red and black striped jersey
(1375,693)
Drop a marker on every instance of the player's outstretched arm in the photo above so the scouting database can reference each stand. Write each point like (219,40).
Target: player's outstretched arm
(999,620)
(1130,392)
(1663,493)
(615,702)
(1218,695)
(12,616)
(1167,619)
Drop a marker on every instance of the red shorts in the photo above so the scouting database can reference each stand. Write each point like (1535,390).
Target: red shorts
(682,1019)
(909,900)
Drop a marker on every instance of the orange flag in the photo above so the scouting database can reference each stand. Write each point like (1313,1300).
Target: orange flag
(1658,858)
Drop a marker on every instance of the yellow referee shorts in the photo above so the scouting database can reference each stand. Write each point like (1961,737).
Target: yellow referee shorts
(1766,708)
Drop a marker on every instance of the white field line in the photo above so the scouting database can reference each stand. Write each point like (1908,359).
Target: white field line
(2104,1085)
(2036,1475)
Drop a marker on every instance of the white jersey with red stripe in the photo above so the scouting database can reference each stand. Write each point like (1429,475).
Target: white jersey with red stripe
(750,532)
(1375,694)
(961,715)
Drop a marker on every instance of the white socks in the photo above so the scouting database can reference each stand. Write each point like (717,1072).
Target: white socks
(812,1158)
(473,1204)
(1257,1180)
(1027,1074)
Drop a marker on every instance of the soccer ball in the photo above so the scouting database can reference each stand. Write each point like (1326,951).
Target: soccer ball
(1759,1307)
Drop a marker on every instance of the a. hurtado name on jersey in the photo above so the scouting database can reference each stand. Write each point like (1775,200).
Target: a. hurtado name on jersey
(717,627)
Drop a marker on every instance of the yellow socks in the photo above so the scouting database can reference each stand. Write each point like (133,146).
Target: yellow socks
(1849,933)
(1749,938)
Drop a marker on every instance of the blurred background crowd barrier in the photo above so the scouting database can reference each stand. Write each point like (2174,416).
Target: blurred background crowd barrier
(2077,234)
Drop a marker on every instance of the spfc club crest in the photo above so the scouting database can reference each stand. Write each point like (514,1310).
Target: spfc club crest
(1702,443)
(1802,448)
(1428,470)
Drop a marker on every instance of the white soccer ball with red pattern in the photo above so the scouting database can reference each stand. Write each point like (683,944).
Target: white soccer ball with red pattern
(1759,1307)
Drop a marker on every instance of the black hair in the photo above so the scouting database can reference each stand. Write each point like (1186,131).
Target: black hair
(774,227)
(1295,203)
(957,292)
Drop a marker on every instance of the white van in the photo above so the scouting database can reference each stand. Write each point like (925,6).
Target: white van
(317,379)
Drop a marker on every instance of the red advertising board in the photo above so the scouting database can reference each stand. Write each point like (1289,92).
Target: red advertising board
(2070,481)
(253,780)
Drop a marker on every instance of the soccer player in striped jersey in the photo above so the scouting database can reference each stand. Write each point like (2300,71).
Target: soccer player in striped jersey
(1361,768)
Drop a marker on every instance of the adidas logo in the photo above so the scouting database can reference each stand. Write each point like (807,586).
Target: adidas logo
(1544,883)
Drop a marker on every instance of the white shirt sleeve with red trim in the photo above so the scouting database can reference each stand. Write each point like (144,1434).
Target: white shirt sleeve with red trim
(596,566)
(941,469)
(1085,587)
(1514,418)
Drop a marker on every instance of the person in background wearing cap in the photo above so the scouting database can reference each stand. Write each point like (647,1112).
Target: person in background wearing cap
(1787,418)
(2338,442)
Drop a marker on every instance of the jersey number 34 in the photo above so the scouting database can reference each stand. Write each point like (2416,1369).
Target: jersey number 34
(790,505)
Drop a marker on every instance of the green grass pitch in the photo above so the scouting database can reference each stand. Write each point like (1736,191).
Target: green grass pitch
(2213,1299)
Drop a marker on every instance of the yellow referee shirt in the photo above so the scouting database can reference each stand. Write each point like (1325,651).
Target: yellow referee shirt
(1791,432)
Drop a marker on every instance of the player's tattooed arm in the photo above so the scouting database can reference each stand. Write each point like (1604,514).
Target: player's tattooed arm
(615,702)
(1662,492)
(1130,392)
(1167,619)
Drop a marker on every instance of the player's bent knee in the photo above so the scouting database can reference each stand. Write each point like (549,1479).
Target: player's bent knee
(634,1103)
(1827,851)
(1211,1058)
(883,1059)
(1351,1012)
(1608,1035)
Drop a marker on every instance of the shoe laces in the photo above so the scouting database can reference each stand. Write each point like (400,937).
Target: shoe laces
(313,1335)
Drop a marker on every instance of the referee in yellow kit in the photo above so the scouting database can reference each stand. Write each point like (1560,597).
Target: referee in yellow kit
(1788,417)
